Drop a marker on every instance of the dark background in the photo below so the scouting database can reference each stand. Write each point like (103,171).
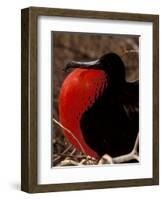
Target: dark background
(84,47)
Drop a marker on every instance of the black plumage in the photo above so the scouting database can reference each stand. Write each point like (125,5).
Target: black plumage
(111,124)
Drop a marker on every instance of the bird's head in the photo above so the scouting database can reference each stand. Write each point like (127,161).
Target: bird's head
(111,63)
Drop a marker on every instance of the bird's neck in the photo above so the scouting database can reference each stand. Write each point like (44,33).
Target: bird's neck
(117,87)
(129,93)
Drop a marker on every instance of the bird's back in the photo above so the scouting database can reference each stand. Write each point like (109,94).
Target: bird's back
(111,124)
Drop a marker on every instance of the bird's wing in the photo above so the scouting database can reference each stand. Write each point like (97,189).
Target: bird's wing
(130,111)
(129,99)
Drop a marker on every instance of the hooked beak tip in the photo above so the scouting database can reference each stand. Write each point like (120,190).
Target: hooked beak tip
(68,66)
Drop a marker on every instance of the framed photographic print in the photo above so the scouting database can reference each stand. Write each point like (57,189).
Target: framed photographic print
(90,99)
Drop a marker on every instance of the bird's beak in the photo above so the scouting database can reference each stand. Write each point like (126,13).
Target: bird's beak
(84,65)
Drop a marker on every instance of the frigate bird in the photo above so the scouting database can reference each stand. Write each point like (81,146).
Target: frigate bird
(99,108)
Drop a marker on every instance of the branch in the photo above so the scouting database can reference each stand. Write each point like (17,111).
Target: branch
(69,163)
(131,51)
(68,131)
(106,159)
